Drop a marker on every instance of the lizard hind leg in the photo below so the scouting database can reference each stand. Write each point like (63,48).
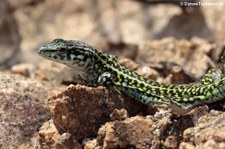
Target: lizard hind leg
(214,75)
(177,108)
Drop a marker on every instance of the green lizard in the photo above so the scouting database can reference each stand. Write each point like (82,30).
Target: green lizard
(103,69)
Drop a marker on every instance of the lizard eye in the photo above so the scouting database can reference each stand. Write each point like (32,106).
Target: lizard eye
(62,50)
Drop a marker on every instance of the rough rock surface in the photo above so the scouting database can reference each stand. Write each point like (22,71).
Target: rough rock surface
(22,110)
(81,110)
(136,132)
(208,132)
(119,114)
(50,138)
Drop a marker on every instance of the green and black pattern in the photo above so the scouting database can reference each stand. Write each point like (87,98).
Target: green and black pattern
(104,69)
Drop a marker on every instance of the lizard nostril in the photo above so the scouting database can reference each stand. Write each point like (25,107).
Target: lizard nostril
(41,49)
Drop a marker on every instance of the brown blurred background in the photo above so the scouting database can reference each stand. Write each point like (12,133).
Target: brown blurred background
(26,24)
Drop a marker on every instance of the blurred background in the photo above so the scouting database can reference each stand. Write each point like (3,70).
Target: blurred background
(27,24)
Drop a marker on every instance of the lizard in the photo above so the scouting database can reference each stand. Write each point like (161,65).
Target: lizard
(104,70)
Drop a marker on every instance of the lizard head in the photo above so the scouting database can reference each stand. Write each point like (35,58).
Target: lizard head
(72,53)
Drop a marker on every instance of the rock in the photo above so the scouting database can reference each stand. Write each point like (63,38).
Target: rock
(92,144)
(23,69)
(22,110)
(179,76)
(56,75)
(81,110)
(66,140)
(50,138)
(48,135)
(208,132)
(136,132)
(121,49)
(187,54)
(148,72)
(129,63)
(118,114)
(170,142)
(184,145)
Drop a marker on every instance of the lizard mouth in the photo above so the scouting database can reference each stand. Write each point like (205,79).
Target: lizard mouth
(40,50)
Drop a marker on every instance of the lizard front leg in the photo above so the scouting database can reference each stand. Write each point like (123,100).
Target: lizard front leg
(104,79)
